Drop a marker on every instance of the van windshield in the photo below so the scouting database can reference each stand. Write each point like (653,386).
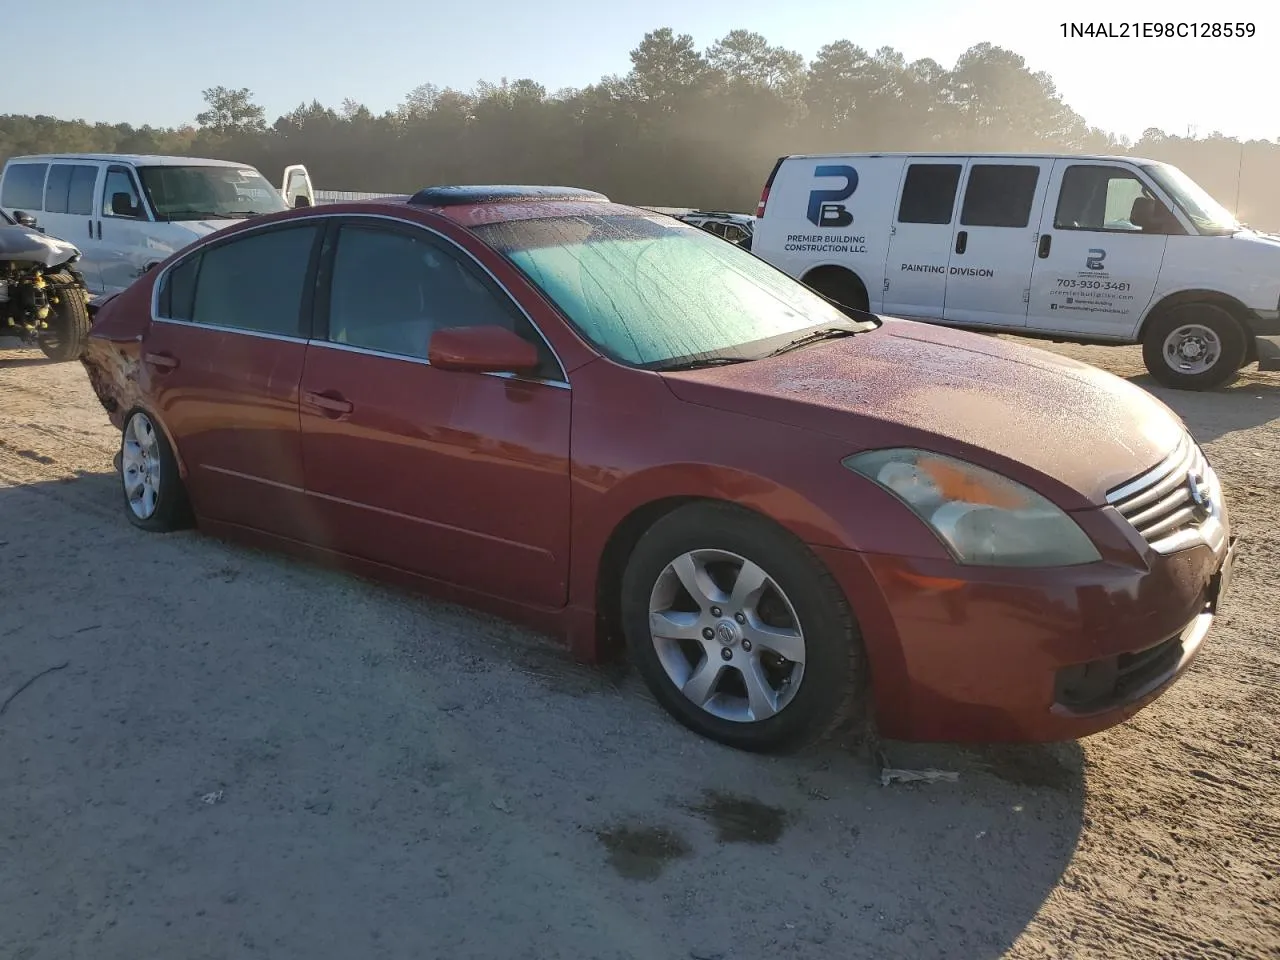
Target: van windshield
(1209,216)
(209,193)
(656,293)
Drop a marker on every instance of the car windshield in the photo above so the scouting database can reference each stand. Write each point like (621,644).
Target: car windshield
(1209,216)
(652,292)
(209,193)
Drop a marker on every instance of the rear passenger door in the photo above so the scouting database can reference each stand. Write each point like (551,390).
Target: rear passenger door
(921,238)
(221,363)
(994,243)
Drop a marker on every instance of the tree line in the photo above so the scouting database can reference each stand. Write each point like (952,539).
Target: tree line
(684,127)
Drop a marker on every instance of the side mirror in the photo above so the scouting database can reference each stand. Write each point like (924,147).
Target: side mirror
(486,349)
(24,219)
(122,205)
(301,200)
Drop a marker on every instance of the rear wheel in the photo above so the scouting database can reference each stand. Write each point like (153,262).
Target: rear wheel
(154,496)
(840,285)
(1194,346)
(739,631)
(69,332)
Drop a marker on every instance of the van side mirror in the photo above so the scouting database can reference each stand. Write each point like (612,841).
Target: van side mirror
(24,219)
(301,200)
(122,205)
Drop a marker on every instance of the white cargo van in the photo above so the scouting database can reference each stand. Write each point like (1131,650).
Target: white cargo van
(1070,248)
(128,213)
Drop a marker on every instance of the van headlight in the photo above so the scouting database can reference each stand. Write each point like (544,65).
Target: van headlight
(982,518)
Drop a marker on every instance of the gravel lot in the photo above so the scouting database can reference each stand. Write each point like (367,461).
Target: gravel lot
(249,757)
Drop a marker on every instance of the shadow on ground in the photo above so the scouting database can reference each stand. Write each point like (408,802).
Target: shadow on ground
(247,751)
(1250,401)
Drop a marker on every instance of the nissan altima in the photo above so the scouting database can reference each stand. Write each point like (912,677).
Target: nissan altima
(625,432)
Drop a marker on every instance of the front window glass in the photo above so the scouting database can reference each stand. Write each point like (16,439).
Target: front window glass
(209,193)
(648,291)
(1206,213)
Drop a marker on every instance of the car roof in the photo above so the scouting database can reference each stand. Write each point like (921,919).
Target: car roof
(135,159)
(476,205)
(960,154)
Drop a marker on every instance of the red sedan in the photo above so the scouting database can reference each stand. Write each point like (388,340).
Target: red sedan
(612,425)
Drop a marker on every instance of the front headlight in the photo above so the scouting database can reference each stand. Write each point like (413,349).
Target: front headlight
(982,518)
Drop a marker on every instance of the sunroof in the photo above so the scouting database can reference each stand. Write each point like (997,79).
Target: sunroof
(453,196)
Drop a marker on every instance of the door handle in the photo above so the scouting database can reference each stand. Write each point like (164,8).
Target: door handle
(334,406)
(1046,241)
(90,228)
(962,241)
(161,361)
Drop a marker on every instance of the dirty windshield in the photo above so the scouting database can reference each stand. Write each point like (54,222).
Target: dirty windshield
(650,292)
(208,193)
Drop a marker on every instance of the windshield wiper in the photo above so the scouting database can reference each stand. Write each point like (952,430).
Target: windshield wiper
(704,362)
(825,333)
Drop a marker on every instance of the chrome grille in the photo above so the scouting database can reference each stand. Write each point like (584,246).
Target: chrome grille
(1176,504)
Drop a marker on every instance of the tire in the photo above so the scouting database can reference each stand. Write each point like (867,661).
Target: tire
(716,539)
(841,286)
(67,335)
(145,449)
(1206,327)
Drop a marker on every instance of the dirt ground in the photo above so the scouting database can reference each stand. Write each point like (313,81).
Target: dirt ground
(244,756)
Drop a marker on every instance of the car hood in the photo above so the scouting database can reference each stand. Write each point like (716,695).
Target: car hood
(22,244)
(1005,406)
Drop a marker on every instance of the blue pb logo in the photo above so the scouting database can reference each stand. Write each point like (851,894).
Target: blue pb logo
(825,208)
(1093,260)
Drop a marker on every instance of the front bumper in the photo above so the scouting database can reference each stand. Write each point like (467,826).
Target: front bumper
(962,655)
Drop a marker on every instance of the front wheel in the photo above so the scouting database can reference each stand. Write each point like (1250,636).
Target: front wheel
(1194,346)
(739,631)
(67,335)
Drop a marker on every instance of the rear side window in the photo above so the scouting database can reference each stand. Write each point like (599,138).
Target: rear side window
(999,195)
(69,189)
(24,186)
(929,193)
(254,283)
(80,190)
(178,290)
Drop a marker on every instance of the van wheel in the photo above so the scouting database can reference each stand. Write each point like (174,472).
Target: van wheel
(739,631)
(1194,346)
(69,332)
(840,285)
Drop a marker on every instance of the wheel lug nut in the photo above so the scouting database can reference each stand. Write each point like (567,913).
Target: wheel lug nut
(715,611)
(740,617)
(746,645)
(708,633)
(726,653)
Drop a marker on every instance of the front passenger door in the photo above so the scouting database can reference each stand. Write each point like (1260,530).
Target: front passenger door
(460,477)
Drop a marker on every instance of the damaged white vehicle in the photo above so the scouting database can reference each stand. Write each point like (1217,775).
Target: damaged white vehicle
(43,300)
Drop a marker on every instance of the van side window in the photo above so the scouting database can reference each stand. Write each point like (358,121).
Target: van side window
(69,189)
(1098,198)
(929,193)
(120,196)
(24,187)
(999,195)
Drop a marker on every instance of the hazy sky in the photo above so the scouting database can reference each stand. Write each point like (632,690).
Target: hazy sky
(140,61)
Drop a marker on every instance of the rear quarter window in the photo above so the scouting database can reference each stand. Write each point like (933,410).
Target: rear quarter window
(23,187)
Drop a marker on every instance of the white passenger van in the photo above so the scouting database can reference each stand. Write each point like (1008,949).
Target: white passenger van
(1112,250)
(128,213)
